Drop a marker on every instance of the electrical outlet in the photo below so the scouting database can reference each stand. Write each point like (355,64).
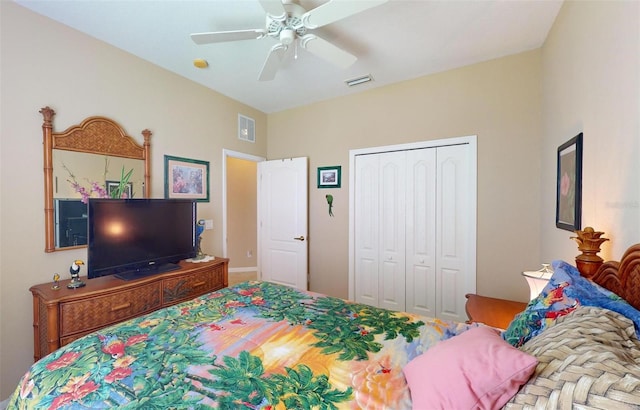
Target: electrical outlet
(249,254)
(208,224)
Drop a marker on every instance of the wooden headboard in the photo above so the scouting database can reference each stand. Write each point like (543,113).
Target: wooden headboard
(622,278)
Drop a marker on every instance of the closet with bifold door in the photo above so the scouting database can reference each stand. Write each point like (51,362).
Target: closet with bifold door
(412,227)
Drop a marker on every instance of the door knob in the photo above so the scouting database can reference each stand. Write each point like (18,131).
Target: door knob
(299,238)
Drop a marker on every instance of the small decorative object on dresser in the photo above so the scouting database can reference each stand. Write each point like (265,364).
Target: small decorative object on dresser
(56,281)
(199,229)
(74,270)
(63,315)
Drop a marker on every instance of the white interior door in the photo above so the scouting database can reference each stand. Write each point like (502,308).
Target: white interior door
(421,231)
(391,218)
(282,222)
(366,235)
(380,230)
(455,209)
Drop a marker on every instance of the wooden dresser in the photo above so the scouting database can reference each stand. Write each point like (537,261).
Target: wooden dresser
(63,315)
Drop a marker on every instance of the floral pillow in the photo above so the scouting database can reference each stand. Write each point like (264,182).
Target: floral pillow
(566,290)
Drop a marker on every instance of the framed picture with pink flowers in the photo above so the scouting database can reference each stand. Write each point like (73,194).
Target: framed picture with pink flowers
(186,178)
(569,185)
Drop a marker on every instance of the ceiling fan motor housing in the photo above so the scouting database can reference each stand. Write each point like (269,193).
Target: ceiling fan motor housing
(288,28)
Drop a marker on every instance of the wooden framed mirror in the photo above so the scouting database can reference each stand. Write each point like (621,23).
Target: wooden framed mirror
(94,154)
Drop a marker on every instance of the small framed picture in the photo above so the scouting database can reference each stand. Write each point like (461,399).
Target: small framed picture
(113,186)
(569,185)
(186,178)
(329,177)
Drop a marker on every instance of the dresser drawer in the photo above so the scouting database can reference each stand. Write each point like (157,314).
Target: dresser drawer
(100,311)
(189,286)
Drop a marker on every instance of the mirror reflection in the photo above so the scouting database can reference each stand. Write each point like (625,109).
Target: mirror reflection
(78,176)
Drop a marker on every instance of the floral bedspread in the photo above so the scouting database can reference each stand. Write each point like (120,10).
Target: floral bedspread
(256,345)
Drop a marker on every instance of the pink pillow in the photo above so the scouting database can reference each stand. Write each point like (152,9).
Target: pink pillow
(476,369)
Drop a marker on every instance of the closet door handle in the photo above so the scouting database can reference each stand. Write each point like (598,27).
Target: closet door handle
(299,238)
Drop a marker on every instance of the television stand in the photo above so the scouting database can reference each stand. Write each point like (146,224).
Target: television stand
(61,315)
(134,274)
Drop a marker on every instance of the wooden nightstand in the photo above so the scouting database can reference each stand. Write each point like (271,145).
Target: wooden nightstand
(491,311)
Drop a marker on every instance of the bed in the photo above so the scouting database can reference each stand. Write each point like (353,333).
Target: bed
(258,345)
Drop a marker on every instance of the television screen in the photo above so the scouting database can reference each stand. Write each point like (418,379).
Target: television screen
(132,238)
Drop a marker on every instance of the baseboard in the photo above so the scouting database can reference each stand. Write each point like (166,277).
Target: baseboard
(244,270)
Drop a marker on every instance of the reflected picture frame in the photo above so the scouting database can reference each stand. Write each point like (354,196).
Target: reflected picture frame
(329,177)
(186,178)
(569,185)
(114,185)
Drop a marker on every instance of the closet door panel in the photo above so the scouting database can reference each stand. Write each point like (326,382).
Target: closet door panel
(452,208)
(366,235)
(421,231)
(392,230)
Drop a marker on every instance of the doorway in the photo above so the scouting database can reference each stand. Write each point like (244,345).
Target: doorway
(239,214)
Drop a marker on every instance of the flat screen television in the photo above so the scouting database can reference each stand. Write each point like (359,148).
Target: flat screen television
(133,238)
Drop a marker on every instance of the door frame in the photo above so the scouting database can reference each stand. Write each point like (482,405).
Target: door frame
(226,153)
(470,140)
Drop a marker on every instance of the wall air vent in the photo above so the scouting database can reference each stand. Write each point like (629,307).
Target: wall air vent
(359,80)
(246,128)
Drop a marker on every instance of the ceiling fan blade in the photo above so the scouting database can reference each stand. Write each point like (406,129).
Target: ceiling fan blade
(223,36)
(274,8)
(327,51)
(272,63)
(336,10)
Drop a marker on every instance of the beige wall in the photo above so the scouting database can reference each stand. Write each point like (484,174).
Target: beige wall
(591,69)
(45,63)
(499,101)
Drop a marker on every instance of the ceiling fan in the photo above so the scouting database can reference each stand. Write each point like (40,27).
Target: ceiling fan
(287,21)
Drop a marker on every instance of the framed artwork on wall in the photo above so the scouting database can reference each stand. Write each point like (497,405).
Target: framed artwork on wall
(569,185)
(329,177)
(186,178)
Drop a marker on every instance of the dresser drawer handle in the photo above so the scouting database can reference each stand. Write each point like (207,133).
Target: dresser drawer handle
(120,307)
(197,284)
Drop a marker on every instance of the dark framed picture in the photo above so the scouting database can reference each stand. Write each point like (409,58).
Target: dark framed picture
(186,178)
(113,186)
(329,177)
(569,185)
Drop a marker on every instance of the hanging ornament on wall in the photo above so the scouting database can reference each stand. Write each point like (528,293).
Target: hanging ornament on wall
(330,202)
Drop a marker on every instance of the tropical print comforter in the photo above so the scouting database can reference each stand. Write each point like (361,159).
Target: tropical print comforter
(256,345)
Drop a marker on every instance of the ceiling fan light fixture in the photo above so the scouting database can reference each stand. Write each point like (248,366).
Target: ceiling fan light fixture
(359,80)
(287,36)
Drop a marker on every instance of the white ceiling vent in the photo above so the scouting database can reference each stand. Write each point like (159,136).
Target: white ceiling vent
(359,80)
(246,128)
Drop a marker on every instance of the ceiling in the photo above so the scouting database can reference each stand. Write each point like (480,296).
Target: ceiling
(396,41)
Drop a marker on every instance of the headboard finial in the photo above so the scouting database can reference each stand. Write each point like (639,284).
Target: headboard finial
(589,241)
